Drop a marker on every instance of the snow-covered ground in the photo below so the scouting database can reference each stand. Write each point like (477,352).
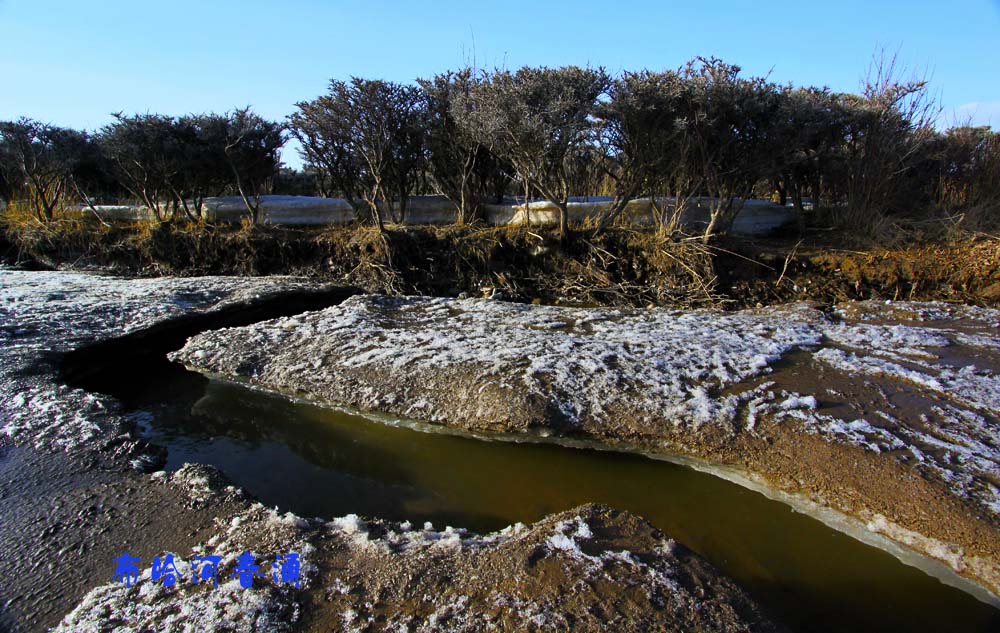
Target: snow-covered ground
(566,571)
(584,369)
(46,312)
(547,574)
(913,385)
(42,313)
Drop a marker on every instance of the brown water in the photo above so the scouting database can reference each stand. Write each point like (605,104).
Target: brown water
(316,461)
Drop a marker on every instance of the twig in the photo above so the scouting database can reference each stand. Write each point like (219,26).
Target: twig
(697,277)
(788,258)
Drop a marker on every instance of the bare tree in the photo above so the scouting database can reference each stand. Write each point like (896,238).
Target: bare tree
(967,182)
(461,166)
(731,121)
(145,152)
(40,161)
(324,128)
(201,169)
(808,134)
(251,153)
(535,119)
(171,164)
(8,183)
(586,168)
(11,179)
(890,126)
(646,146)
(368,136)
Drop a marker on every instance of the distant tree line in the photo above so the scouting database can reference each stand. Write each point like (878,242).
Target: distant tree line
(169,164)
(473,136)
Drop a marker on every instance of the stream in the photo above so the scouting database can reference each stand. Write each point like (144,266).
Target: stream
(317,461)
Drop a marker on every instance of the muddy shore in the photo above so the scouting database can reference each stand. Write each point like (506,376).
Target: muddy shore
(72,497)
(886,412)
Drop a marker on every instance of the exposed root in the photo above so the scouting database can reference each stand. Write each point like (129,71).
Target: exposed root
(619,267)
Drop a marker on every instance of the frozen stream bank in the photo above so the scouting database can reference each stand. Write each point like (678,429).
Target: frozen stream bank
(885,412)
(357,569)
(72,499)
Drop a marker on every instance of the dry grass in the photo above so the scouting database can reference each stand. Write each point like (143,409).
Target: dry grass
(620,267)
(69,228)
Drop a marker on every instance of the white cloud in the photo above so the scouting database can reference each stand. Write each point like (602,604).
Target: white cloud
(978,113)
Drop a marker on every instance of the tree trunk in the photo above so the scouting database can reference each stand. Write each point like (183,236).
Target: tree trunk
(404,201)
(376,215)
(710,229)
(722,218)
(563,216)
(617,206)
(797,198)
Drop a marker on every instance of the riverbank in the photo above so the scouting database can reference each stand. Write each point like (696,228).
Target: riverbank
(622,267)
(885,412)
(73,479)
(74,497)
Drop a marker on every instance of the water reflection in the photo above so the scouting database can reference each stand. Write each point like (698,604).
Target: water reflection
(319,462)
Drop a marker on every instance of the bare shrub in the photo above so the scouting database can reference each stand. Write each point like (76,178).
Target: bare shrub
(968,180)
(171,164)
(250,149)
(535,119)
(646,145)
(462,169)
(368,138)
(41,163)
(889,128)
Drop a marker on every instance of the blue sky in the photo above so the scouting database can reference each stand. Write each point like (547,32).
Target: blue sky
(73,63)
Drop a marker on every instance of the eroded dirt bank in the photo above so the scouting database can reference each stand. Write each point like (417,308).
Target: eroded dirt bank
(886,412)
(72,498)
(589,569)
(618,268)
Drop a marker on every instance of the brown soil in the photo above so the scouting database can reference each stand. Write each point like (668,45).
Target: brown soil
(858,482)
(966,271)
(66,517)
(619,267)
(625,576)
